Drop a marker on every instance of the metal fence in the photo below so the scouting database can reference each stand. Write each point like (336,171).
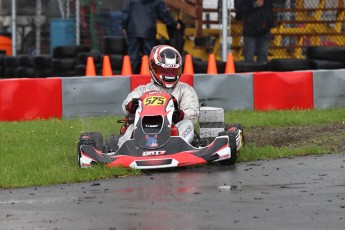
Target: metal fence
(43,24)
(298,24)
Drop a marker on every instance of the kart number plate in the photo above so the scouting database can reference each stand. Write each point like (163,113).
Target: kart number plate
(154,101)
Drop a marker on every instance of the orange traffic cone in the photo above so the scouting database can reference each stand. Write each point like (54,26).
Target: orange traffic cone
(212,65)
(126,66)
(188,65)
(106,70)
(145,70)
(230,66)
(90,67)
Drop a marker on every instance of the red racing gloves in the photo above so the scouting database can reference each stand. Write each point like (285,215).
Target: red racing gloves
(178,114)
(132,106)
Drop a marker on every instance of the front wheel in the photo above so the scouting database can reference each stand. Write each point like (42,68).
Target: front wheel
(233,136)
(111,143)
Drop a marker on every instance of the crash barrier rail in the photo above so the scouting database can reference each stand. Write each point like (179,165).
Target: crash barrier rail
(27,99)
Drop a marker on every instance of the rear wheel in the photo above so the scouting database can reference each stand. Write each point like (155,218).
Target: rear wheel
(111,144)
(236,127)
(233,147)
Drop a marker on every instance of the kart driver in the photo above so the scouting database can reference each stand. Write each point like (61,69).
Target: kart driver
(165,65)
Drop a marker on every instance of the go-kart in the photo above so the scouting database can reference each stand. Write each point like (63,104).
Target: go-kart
(155,142)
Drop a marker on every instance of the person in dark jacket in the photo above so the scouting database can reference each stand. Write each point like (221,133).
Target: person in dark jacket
(139,18)
(257,21)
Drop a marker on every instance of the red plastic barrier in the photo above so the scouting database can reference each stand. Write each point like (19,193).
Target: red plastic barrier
(28,99)
(283,90)
(137,80)
(187,78)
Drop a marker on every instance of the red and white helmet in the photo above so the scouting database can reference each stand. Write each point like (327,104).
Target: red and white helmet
(165,65)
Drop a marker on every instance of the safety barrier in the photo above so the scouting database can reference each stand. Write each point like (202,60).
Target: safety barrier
(28,99)
(283,90)
(69,97)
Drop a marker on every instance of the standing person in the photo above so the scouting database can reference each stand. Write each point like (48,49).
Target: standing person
(165,65)
(139,18)
(257,21)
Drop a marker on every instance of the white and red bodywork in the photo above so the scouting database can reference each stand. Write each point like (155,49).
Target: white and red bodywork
(155,143)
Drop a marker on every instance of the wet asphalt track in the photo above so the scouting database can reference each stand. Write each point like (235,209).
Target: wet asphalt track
(301,193)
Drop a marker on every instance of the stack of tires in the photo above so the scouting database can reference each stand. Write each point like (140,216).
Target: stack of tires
(326,57)
(115,47)
(2,67)
(247,67)
(288,64)
(64,59)
(43,66)
(116,61)
(25,67)
(10,65)
(240,66)
(81,61)
(199,65)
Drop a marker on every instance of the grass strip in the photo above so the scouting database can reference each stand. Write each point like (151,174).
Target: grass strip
(44,152)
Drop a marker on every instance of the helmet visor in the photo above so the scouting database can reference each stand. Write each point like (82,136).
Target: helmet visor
(168,70)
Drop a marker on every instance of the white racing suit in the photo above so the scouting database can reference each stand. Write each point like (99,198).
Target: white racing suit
(188,102)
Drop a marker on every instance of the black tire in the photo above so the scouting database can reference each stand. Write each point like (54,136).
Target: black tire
(98,68)
(289,64)
(81,58)
(111,144)
(63,65)
(117,72)
(200,66)
(326,53)
(69,51)
(70,73)
(42,62)
(25,60)
(248,67)
(42,73)
(232,144)
(325,64)
(91,138)
(23,72)
(2,72)
(80,70)
(9,72)
(228,127)
(114,45)
(221,66)
(10,62)
(2,58)
(116,61)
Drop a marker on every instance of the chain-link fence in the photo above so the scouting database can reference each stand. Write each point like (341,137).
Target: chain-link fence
(43,24)
(297,25)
